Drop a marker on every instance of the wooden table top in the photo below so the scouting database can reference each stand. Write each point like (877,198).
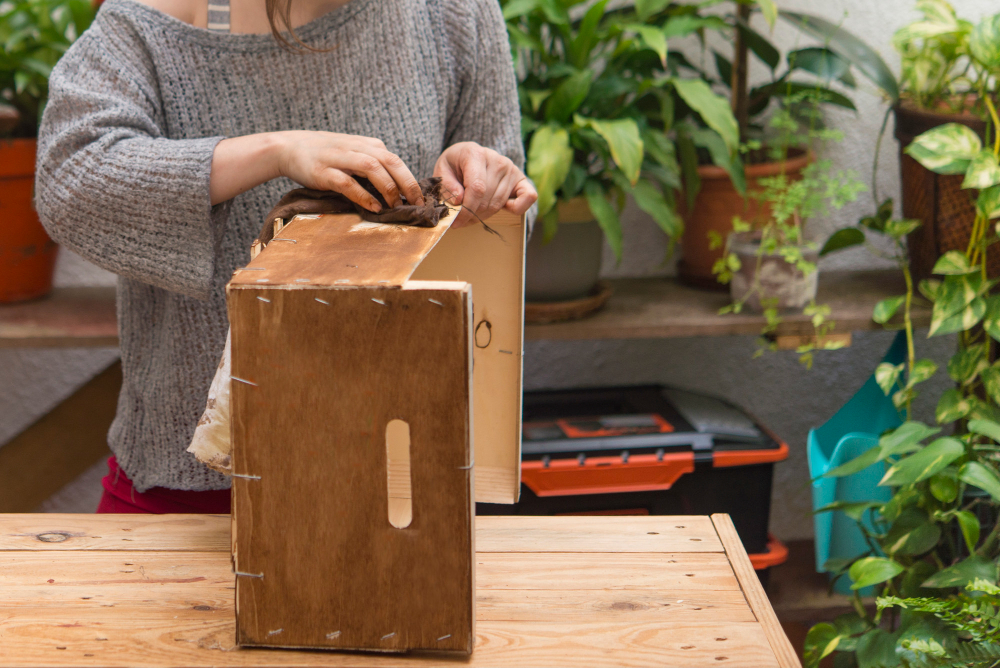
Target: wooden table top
(157,591)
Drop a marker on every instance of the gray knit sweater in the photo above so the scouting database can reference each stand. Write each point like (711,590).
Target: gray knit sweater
(136,108)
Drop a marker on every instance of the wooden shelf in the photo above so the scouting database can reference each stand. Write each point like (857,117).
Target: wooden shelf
(645,308)
(67,318)
(640,308)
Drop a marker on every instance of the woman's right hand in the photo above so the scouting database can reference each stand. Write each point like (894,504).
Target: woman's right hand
(318,160)
(329,161)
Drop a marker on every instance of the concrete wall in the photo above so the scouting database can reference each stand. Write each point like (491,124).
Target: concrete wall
(781,393)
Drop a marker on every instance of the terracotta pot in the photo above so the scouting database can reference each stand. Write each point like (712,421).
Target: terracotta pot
(778,279)
(937,200)
(27,254)
(715,206)
(567,267)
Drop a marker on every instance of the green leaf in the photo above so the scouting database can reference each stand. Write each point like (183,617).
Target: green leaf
(963,573)
(770,11)
(580,48)
(843,238)
(721,156)
(991,382)
(624,141)
(966,364)
(848,47)
(944,486)
(899,228)
(689,166)
(984,42)
(760,46)
(905,438)
(987,428)
(518,8)
(922,370)
(568,96)
(887,376)
(952,406)
(549,160)
(877,649)
(946,149)
(983,172)
(981,476)
(822,62)
(913,541)
(959,322)
(853,509)
(988,202)
(821,641)
(713,109)
(969,524)
(924,463)
(653,38)
(991,319)
(953,263)
(873,570)
(651,200)
(887,308)
(606,215)
(647,8)
(859,463)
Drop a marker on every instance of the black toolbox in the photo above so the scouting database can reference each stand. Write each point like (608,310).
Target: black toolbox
(647,450)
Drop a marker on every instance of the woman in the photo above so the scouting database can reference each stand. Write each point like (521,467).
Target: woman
(174,125)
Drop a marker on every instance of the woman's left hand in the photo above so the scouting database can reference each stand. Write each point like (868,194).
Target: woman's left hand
(483,181)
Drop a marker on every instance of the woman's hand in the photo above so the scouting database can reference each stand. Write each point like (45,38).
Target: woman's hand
(319,160)
(484,181)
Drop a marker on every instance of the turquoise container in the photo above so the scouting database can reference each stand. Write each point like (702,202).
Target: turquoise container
(855,428)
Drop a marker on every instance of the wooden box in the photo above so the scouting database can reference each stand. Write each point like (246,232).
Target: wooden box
(361,436)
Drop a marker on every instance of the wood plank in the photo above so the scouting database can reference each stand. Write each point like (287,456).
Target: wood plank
(522,533)
(326,372)
(49,640)
(494,265)
(599,570)
(61,445)
(342,248)
(754,592)
(67,317)
(58,532)
(663,308)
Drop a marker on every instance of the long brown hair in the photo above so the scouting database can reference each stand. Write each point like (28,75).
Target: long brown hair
(279,16)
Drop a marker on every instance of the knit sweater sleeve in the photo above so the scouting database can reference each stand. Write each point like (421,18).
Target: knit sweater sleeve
(486,109)
(110,185)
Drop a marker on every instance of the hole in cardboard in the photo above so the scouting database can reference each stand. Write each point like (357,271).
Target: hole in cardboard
(397,459)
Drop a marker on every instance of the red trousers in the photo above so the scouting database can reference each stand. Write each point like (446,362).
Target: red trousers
(120,497)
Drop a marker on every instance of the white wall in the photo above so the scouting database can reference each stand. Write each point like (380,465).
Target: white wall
(781,393)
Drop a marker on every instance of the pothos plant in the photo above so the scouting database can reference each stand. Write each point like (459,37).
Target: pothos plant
(945,59)
(597,89)
(33,36)
(939,531)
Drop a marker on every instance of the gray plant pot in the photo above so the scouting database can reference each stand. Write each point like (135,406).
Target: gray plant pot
(778,279)
(568,266)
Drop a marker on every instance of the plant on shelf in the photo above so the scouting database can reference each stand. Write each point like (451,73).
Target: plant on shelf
(801,81)
(939,532)
(34,35)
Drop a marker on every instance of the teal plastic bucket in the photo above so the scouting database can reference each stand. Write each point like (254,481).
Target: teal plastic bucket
(851,431)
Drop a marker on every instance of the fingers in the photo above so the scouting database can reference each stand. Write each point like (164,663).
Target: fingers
(476,182)
(362,164)
(522,197)
(401,176)
(341,182)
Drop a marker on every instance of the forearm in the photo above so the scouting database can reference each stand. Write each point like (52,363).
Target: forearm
(242,163)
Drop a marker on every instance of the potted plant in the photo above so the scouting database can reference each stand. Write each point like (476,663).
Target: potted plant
(938,536)
(34,34)
(945,77)
(597,92)
(715,195)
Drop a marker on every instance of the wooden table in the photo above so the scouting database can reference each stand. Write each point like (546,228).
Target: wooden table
(136,590)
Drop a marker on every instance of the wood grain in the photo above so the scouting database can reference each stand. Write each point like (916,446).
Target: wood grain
(522,533)
(494,266)
(646,308)
(341,249)
(67,317)
(150,608)
(59,532)
(329,370)
(754,593)
(61,445)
